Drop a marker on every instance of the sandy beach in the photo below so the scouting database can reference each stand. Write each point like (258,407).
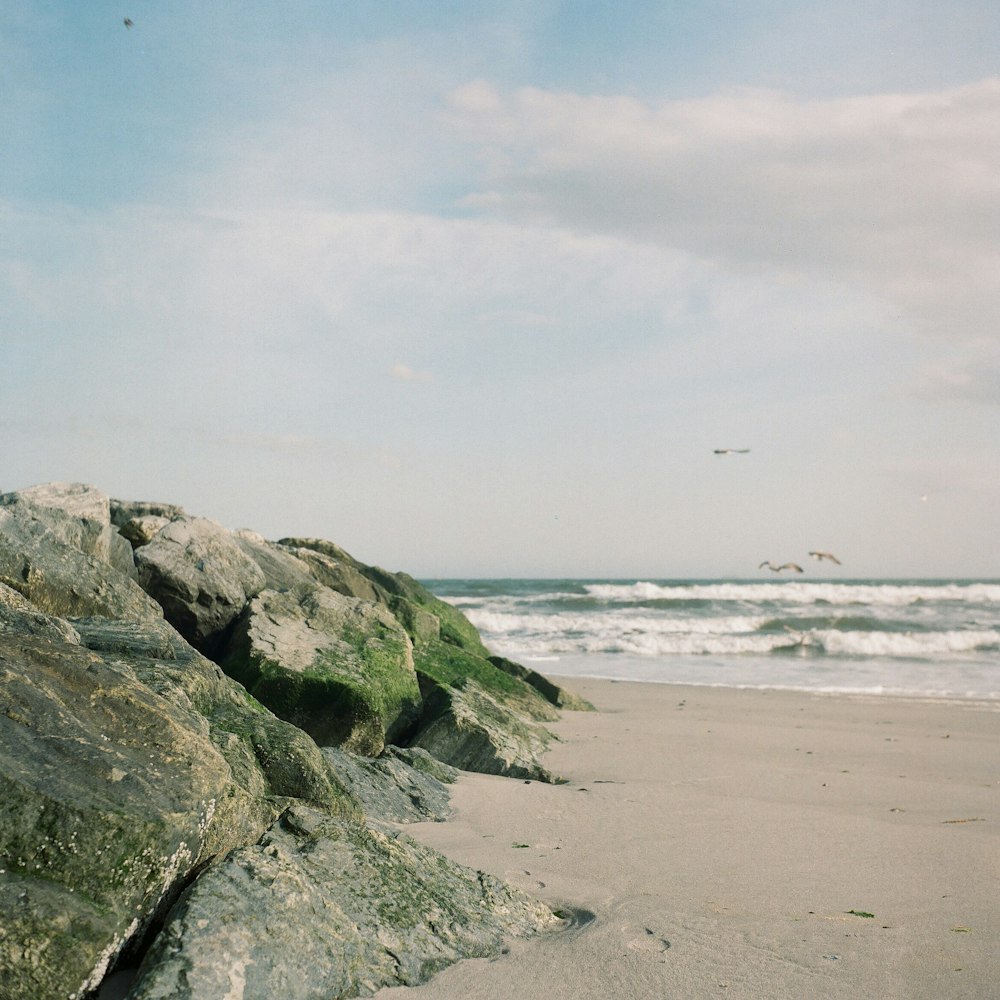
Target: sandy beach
(743,843)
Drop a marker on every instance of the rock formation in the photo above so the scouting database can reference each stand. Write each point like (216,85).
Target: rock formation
(203,735)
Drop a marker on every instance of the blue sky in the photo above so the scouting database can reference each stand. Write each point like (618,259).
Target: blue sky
(477,288)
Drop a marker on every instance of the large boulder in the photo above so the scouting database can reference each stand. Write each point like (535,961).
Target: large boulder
(42,559)
(405,592)
(424,616)
(331,566)
(113,793)
(323,909)
(338,667)
(479,718)
(470,729)
(282,568)
(440,664)
(270,759)
(97,833)
(197,572)
(80,516)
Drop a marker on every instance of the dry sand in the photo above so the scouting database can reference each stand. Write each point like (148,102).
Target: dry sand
(721,839)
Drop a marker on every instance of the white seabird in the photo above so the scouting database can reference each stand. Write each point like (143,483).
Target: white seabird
(820,556)
(794,567)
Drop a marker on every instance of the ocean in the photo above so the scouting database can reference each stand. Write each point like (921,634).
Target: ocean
(931,638)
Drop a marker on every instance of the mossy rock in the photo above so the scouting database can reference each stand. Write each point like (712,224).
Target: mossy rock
(108,801)
(552,693)
(270,758)
(470,729)
(337,667)
(323,909)
(455,628)
(442,663)
(342,572)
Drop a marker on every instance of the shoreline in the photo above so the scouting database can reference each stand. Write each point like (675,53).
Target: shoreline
(744,842)
(943,697)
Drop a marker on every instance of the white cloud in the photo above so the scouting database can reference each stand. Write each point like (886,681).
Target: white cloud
(897,194)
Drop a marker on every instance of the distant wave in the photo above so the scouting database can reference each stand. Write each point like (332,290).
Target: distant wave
(919,636)
(867,644)
(799,592)
(623,631)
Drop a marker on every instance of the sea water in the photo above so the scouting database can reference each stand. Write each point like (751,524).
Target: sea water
(912,637)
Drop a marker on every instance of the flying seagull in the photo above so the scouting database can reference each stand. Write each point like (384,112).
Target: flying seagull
(731,451)
(820,556)
(794,567)
(128,22)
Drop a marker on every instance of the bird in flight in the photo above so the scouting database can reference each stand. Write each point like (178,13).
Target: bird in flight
(794,567)
(820,556)
(128,22)
(731,451)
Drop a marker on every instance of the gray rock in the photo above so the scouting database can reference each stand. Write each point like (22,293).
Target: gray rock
(143,529)
(338,667)
(323,909)
(470,729)
(270,758)
(18,616)
(80,516)
(132,766)
(97,833)
(443,664)
(126,763)
(125,510)
(420,760)
(282,568)
(200,576)
(422,626)
(390,788)
(331,566)
(56,576)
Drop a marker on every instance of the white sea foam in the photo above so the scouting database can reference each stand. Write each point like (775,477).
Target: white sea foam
(800,592)
(508,623)
(906,644)
(917,637)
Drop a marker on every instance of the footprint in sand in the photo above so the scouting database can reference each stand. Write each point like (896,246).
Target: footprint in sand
(649,942)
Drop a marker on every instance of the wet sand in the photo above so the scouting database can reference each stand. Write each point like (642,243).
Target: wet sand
(741,844)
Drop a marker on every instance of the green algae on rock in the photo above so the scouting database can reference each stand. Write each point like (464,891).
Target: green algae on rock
(336,666)
(324,908)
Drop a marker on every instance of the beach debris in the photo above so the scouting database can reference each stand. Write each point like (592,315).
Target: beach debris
(971,819)
(731,451)
(861,913)
(961,930)
(794,567)
(519,846)
(820,556)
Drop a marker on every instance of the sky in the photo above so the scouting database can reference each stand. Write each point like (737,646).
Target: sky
(477,289)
